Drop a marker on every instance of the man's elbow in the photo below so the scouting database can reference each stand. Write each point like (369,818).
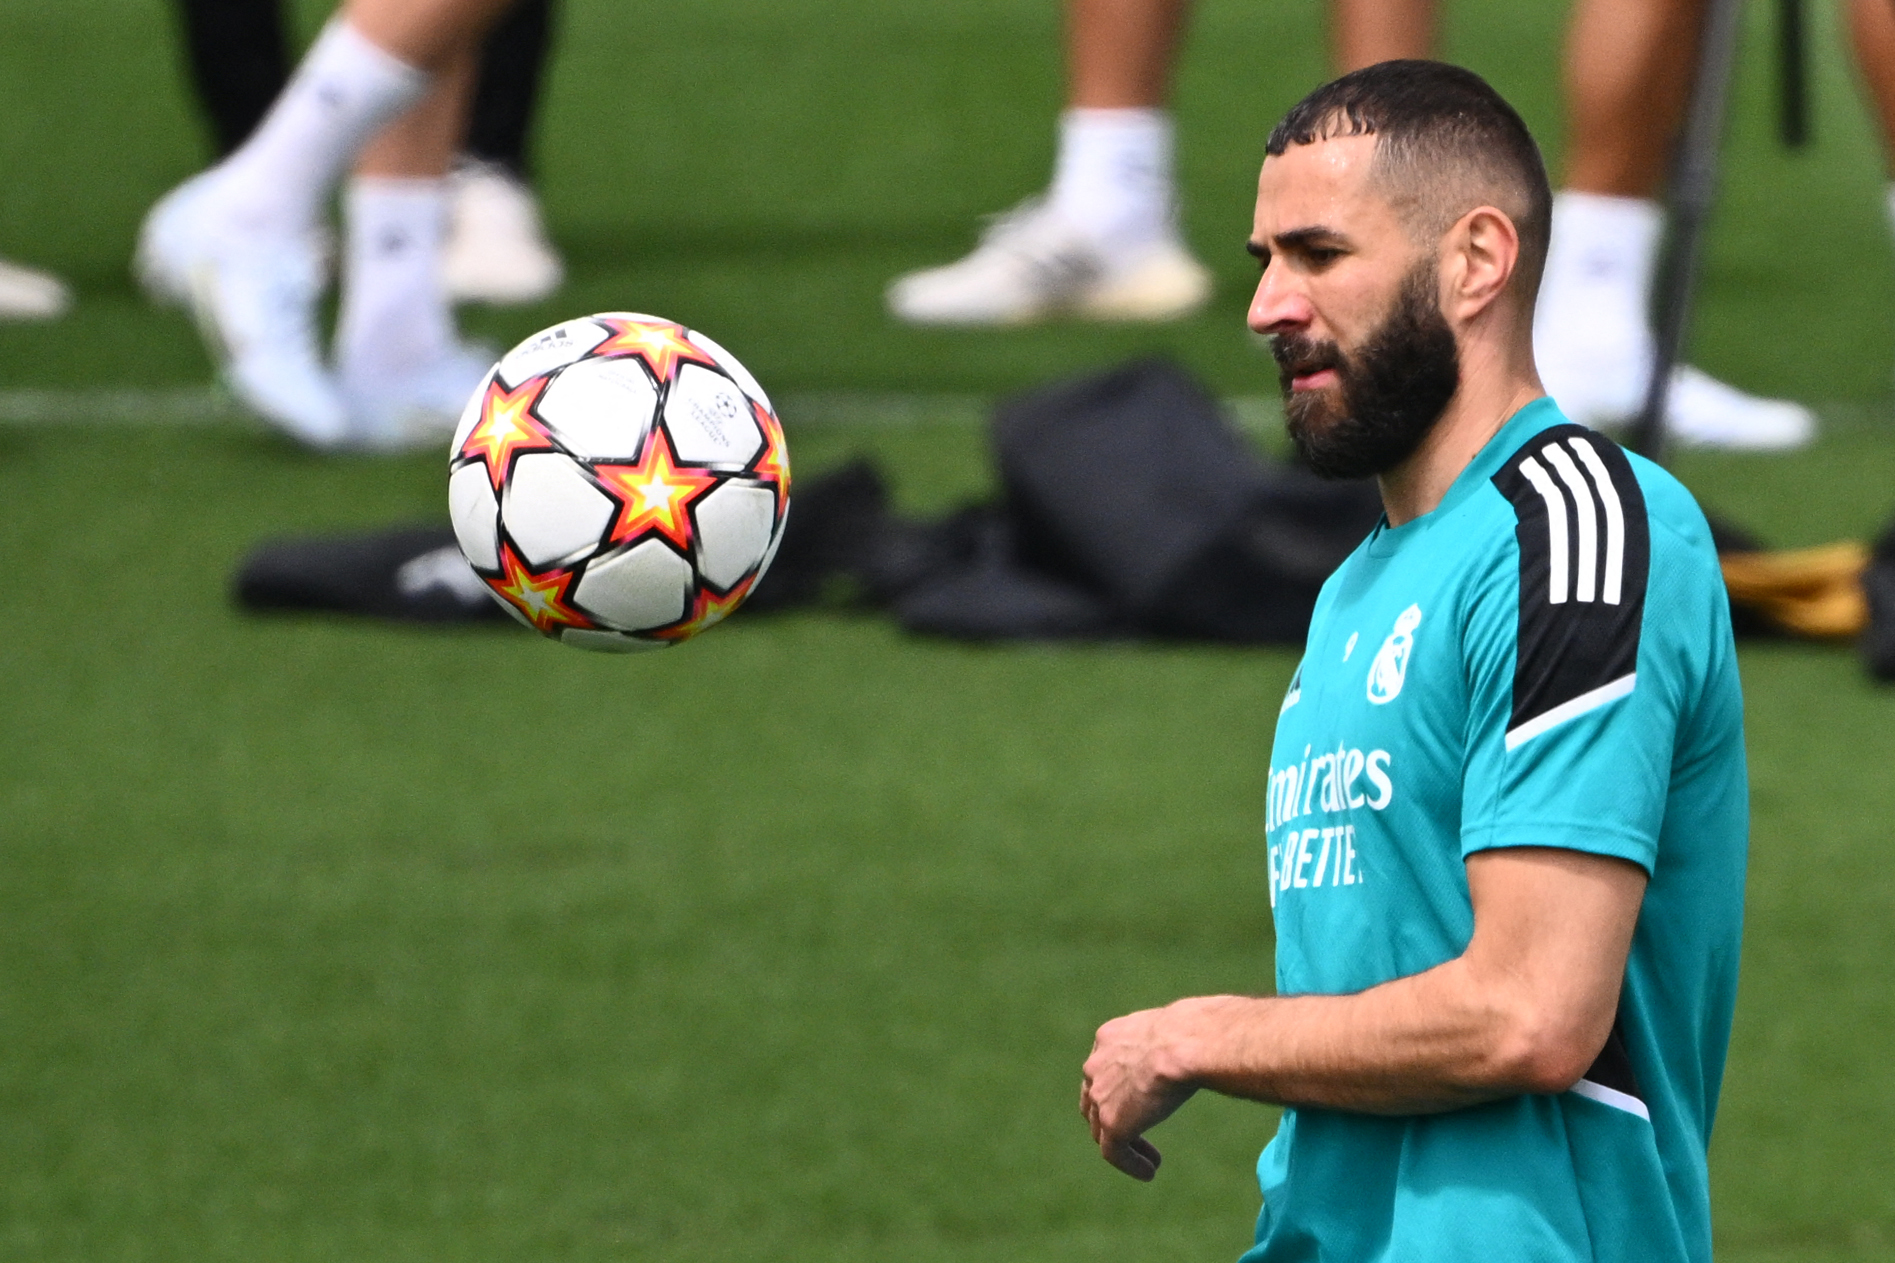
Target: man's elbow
(1541,1052)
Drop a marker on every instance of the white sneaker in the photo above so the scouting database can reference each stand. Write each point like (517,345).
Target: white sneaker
(1031,265)
(254,296)
(1700,411)
(497,251)
(30,294)
(415,409)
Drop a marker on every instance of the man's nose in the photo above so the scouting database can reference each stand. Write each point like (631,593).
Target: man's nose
(1278,306)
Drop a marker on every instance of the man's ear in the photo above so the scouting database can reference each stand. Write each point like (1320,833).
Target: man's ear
(1482,249)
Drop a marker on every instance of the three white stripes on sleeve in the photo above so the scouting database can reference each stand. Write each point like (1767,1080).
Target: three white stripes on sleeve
(1587,584)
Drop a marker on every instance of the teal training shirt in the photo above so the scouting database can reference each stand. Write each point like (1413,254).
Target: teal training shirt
(1544,660)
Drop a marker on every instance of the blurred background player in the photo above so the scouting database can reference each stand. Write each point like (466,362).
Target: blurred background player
(496,250)
(30,294)
(384,90)
(1103,242)
(1628,72)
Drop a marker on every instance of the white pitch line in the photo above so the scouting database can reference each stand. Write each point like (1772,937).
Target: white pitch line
(211,405)
(178,405)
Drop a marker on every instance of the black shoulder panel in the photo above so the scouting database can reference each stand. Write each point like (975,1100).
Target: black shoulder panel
(1585,552)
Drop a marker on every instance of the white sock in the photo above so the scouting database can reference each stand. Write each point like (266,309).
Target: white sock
(344,91)
(395,318)
(1889,197)
(1592,335)
(1599,265)
(1112,179)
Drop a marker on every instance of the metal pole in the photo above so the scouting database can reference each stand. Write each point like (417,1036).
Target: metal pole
(1792,75)
(1693,192)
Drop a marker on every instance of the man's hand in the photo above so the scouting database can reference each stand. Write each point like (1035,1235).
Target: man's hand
(1133,1082)
(1525,1009)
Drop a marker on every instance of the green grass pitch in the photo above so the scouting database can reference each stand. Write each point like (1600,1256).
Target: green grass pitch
(328,941)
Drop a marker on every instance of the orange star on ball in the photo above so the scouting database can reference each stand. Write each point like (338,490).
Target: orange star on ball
(506,426)
(661,344)
(655,494)
(707,610)
(774,465)
(540,597)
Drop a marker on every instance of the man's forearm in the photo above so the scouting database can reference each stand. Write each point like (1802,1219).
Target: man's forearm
(1526,1008)
(1435,1041)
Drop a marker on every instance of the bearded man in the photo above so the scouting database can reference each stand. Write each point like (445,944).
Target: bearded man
(1507,809)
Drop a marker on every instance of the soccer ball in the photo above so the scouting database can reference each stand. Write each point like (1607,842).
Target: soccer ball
(620,482)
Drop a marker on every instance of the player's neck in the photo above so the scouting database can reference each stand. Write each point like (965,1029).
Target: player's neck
(1496,382)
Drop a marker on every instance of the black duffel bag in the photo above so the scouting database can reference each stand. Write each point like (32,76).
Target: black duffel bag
(1131,506)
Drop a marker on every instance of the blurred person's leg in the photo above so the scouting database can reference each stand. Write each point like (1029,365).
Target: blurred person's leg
(1628,71)
(1112,176)
(1872,33)
(427,34)
(1363,32)
(497,250)
(239,60)
(1628,75)
(238,243)
(1103,241)
(400,362)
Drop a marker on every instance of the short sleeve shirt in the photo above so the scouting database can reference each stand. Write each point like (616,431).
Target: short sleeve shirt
(1544,660)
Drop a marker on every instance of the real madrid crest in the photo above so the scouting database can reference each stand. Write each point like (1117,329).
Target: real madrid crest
(1390,668)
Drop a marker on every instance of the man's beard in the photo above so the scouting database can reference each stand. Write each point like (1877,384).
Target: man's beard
(1389,394)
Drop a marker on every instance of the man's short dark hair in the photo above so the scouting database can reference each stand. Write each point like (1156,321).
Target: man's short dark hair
(1445,142)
